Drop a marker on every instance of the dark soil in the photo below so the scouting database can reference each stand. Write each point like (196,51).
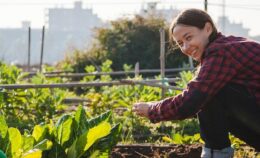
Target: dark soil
(155,151)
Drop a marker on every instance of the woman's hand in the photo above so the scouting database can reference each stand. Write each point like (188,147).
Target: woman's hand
(142,108)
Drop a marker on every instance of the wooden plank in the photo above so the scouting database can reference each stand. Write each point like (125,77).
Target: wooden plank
(67,74)
(85,84)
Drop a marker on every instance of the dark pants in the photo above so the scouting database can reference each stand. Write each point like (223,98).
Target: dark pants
(232,110)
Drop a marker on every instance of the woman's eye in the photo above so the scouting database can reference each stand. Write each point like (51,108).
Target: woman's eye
(188,38)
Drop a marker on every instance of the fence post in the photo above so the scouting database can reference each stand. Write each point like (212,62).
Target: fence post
(137,69)
(191,62)
(42,46)
(162,58)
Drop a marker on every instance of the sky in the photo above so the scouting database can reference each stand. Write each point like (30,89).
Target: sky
(12,12)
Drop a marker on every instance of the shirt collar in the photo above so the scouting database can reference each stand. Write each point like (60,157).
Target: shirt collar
(213,37)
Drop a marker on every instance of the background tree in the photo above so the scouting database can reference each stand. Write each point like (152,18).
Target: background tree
(128,41)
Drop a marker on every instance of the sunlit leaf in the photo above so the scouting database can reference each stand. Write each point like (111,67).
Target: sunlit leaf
(81,120)
(44,145)
(35,153)
(97,132)
(15,138)
(28,142)
(177,139)
(63,129)
(39,132)
(167,139)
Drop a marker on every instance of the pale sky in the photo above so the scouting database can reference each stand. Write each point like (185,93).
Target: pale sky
(12,12)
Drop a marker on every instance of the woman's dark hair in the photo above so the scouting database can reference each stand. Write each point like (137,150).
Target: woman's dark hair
(193,17)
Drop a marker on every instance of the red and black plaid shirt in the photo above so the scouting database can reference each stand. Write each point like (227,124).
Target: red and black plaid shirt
(225,60)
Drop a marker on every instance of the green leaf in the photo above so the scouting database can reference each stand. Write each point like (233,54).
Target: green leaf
(3,127)
(166,139)
(86,140)
(104,145)
(95,121)
(39,132)
(123,103)
(28,142)
(187,139)
(73,150)
(97,128)
(1,95)
(196,137)
(81,120)
(97,132)
(44,145)
(15,139)
(177,139)
(64,129)
(35,153)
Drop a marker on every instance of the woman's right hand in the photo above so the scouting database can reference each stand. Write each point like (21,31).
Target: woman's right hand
(142,108)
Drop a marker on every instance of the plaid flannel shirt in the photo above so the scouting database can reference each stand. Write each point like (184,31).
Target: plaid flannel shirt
(225,60)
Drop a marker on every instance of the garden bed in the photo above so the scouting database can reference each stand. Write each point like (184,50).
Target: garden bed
(156,151)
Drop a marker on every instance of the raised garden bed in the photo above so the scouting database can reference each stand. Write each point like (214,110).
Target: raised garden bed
(156,151)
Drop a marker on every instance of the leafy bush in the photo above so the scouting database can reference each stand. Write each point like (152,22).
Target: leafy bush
(71,137)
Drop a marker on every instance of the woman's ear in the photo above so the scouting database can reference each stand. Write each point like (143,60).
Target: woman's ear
(208,28)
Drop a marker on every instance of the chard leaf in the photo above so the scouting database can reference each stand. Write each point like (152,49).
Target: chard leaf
(15,139)
(39,132)
(64,130)
(44,145)
(81,120)
(34,153)
(28,142)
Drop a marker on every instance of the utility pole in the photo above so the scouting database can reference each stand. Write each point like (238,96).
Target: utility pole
(206,5)
(29,49)
(42,46)
(223,16)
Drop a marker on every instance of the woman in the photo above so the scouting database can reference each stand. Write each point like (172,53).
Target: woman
(226,91)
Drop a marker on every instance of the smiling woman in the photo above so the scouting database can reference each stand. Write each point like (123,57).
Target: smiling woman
(192,35)
(192,40)
(226,91)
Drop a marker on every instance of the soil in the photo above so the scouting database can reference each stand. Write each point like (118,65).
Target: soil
(155,151)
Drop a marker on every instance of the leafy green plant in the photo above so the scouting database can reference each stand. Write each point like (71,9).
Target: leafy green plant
(72,137)
(183,139)
(9,74)
(25,108)
(185,76)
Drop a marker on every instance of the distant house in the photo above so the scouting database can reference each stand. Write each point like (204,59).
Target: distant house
(231,28)
(65,28)
(14,44)
(69,27)
(72,19)
(150,9)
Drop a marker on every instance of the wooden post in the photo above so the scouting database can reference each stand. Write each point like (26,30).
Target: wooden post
(29,49)
(137,69)
(162,58)
(191,62)
(42,46)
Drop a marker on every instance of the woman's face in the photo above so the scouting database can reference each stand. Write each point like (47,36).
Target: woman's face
(192,40)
